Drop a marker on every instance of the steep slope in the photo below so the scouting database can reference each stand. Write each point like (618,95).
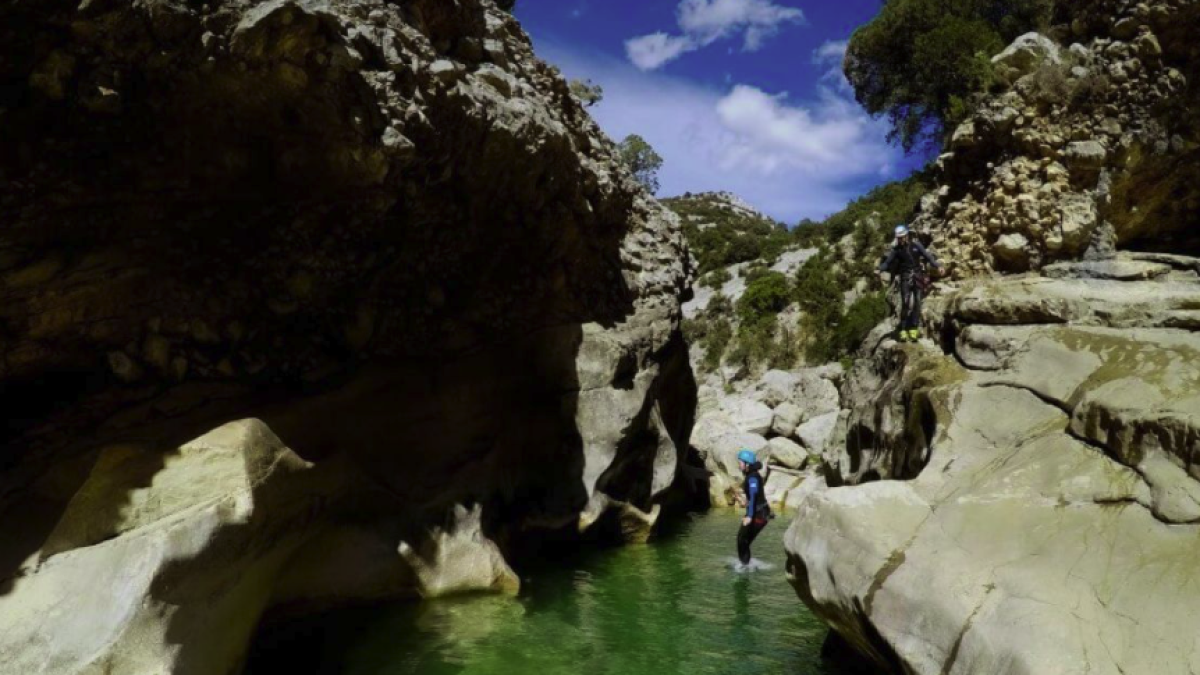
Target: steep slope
(389,233)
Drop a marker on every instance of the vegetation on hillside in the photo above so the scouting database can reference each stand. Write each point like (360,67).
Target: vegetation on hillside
(720,235)
(918,62)
(850,244)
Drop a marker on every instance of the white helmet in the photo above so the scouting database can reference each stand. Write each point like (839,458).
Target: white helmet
(901,231)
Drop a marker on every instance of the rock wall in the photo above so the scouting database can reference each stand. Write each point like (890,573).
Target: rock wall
(1041,504)
(385,231)
(1092,143)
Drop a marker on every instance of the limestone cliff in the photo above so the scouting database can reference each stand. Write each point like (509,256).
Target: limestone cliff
(1092,144)
(387,231)
(1042,499)
(1019,494)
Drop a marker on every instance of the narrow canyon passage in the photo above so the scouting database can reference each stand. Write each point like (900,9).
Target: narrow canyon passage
(673,606)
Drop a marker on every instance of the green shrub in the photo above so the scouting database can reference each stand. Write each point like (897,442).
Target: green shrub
(861,317)
(918,61)
(728,237)
(767,295)
(719,333)
(716,279)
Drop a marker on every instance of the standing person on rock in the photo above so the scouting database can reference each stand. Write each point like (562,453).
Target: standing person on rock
(908,260)
(758,511)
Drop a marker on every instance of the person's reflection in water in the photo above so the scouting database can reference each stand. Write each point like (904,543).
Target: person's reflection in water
(742,632)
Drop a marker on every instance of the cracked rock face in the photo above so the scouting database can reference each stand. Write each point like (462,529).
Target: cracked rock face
(387,231)
(1039,508)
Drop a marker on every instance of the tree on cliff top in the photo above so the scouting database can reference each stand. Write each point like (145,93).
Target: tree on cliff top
(506,5)
(588,92)
(919,61)
(642,160)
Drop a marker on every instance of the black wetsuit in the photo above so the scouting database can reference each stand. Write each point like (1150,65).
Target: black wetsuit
(757,510)
(906,261)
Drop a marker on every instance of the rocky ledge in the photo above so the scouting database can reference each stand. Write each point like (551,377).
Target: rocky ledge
(306,302)
(1026,498)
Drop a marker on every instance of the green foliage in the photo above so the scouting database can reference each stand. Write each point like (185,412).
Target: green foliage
(810,234)
(720,335)
(828,330)
(861,317)
(642,161)
(588,93)
(728,237)
(712,330)
(918,62)
(895,203)
(766,295)
(820,298)
(716,279)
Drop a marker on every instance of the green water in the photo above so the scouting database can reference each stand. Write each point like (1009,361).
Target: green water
(675,606)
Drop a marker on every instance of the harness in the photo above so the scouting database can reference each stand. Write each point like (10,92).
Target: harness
(912,268)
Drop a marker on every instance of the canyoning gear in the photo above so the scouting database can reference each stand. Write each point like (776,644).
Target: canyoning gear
(748,457)
(924,283)
(747,533)
(901,231)
(756,497)
(907,262)
(908,257)
(758,511)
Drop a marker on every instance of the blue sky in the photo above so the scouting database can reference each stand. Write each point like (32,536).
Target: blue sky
(738,95)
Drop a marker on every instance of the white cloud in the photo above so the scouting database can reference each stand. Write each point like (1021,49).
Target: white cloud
(832,52)
(769,136)
(703,22)
(792,160)
(651,51)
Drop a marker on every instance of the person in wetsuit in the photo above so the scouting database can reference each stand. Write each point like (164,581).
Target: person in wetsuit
(908,259)
(758,512)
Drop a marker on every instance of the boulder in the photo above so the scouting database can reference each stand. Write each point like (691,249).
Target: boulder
(816,433)
(1013,250)
(718,441)
(786,453)
(748,416)
(786,418)
(1025,55)
(817,393)
(775,387)
(1088,155)
(164,563)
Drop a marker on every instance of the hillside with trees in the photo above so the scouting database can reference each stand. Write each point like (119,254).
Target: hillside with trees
(773,297)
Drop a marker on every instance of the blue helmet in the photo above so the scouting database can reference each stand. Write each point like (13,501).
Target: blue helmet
(747,457)
(901,231)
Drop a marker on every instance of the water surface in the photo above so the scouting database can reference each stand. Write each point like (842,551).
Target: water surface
(673,607)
